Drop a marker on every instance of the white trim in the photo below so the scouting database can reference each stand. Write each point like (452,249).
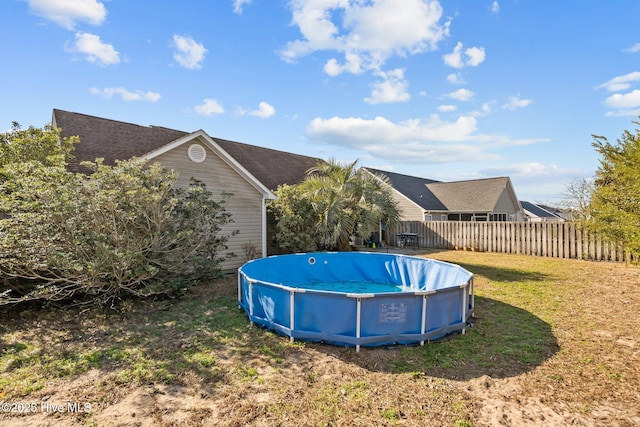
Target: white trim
(226,157)
(265,203)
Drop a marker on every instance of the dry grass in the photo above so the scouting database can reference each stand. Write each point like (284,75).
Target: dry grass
(555,342)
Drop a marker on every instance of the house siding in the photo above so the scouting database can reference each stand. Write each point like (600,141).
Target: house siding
(505,204)
(245,203)
(410,211)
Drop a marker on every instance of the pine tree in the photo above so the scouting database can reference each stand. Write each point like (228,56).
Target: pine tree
(615,203)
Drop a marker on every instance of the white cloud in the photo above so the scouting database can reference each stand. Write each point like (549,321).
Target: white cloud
(454,59)
(620,82)
(633,49)
(95,50)
(447,108)
(239,4)
(392,88)
(624,113)
(353,64)
(367,33)
(209,107)
(473,56)
(67,13)
(484,110)
(412,141)
(264,111)
(190,53)
(535,181)
(461,95)
(456,79)
(495,7)
(126,95)
(531,169)
(625,101)
(515,102)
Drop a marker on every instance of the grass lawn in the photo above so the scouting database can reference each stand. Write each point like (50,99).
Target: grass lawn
(554,342)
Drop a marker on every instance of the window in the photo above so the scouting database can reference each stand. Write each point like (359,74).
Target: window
(498,217)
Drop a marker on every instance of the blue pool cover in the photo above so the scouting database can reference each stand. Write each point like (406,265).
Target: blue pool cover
(356,298)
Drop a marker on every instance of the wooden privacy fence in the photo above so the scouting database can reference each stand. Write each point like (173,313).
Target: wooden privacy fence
(547,239)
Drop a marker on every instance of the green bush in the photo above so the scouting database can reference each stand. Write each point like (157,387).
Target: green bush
(122,230)
(295,220)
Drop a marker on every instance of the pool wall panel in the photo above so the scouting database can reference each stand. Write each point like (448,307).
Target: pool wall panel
(267,288)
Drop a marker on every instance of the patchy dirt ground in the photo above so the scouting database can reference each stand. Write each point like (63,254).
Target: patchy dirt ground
(590,378)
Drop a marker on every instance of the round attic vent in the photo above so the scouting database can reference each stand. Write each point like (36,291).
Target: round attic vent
(197,153)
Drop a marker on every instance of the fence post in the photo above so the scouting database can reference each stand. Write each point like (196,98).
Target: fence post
(545,239)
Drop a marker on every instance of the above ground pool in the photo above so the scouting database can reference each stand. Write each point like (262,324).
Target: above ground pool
(356,298)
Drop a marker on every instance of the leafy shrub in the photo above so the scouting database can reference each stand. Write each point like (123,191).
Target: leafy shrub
(295,220)
(123,230)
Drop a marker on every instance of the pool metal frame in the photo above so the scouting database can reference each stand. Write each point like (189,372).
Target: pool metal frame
(467,307)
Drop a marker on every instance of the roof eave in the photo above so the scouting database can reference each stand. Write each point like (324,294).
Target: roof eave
(228,159)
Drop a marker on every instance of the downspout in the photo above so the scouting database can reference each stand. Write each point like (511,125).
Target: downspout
(265,203)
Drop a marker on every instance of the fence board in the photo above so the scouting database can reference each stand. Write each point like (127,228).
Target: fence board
(558,240)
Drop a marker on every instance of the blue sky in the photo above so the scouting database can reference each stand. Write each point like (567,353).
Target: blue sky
(445,90)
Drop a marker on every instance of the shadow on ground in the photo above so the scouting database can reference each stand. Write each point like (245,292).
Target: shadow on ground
(502,341)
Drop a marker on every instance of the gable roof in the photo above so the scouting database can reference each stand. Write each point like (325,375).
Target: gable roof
(477,195)
(115,140)
(414,188)
(202,137)
(109,139)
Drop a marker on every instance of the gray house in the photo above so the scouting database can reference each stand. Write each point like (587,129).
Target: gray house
(250,173)
(421,199)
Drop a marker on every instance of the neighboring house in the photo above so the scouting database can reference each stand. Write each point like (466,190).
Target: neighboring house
(536,212)
(490,199)
(249,173)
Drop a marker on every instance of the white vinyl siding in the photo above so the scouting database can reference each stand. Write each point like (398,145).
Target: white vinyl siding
(505,204)
(409,210)
(244,205)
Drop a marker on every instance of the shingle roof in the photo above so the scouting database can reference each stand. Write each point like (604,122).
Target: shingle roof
(477,195)
(414,188)
(114,140)
(109,139)
(540,211)
(271,167)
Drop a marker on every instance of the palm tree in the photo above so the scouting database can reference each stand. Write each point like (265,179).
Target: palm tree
(348,202)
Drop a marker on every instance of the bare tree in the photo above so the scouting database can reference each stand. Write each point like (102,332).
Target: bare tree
(577,198)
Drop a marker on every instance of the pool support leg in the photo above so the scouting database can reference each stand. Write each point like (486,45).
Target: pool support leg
(358,319)
(291,314)
(423,323)
(250,302)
